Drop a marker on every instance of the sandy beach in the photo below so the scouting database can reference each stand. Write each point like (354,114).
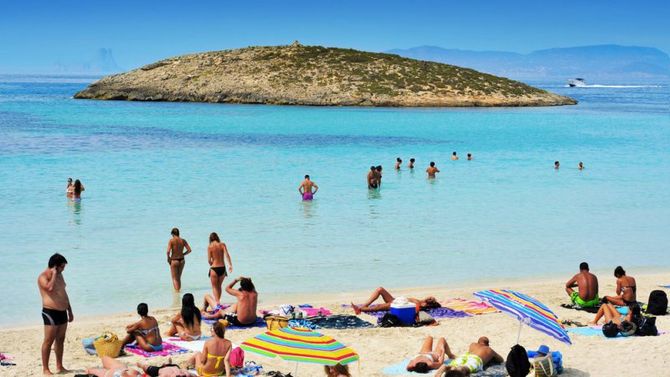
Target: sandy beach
(381,347)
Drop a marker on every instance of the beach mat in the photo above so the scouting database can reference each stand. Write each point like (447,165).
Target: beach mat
(400,369)
(168,350)
(437,313)
(341,322)
(260,322)
(192,346)
(598,331)
(472,307)
(577,307)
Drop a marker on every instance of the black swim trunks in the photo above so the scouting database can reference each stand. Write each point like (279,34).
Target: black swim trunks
(233,320)
(219,271)
(54,317)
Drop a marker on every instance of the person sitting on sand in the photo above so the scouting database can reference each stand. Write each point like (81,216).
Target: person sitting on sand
(175,257)
(111,367)
(372,178)
(428,358)
(411,163)
(242,313)
(426,303)
(398,163)
(609,312)
(305,189)
(587,284)
(432,170)
(626,289)
(479,355)
(186,324)
(145,331)
(214,359)
(217,254)
(337,370)
(454,156)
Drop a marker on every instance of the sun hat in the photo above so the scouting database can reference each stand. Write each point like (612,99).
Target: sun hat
(543,350)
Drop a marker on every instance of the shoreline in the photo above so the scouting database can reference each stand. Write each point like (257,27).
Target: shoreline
(382,347)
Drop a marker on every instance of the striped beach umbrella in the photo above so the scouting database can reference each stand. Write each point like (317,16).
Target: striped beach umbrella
(527,310)
(300,345)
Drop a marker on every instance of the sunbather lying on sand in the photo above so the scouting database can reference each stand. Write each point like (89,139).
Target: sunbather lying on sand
(612,315)
(478,356)
(111,367)
(426,303)
(428,358)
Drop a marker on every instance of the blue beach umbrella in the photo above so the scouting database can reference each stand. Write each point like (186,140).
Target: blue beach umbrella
(527,310)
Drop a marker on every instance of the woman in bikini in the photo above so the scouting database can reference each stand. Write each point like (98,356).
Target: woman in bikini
(215,355)
(427,303)
(186,324)
(114,368)
(145,331)
(77,189)
(216,252)
(175,257)
(626,289)
(428,358)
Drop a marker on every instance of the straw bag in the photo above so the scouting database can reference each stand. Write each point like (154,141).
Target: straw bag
(544,367)
(108,344)
(276,322)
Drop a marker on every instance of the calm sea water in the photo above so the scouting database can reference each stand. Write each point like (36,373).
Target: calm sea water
(235,169)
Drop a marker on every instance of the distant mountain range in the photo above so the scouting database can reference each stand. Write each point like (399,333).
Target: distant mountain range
(610,63)
(102,62)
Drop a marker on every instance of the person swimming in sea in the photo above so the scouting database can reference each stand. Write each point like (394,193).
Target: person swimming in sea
(175,257)
(305,189)
(557,165)
(580,165)
(454,156)
(411,163)
(432,170)
(398,163)
(372,178)
(469,156)
(216,253)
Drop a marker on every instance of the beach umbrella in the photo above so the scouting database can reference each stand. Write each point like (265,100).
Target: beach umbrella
(300,345)
(527,310)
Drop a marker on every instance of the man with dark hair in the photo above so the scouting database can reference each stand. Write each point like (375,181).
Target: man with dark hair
(587,284)
(479,356)
(243,312)
(372,178)
(175,257)
(411,163)
(378,175)
(56,311)
(432,170)
(398,163)
(305,188)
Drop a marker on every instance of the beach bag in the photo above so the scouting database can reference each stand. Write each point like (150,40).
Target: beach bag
(647,327)
(236,357)
(390,320)
(517,363)
(276,322)
(628,328)
(658,303)
(610,330)
(544,366)
(108,344)
(424,319)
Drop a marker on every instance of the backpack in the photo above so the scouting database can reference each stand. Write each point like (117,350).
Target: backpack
(390,320)
(647,327)
(610,329)
(658,303)
(517,363)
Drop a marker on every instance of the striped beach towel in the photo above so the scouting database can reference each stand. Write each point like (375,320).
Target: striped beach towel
(472,307)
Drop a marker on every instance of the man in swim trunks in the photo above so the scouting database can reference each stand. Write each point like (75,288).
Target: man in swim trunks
(175,257)
(305,189)
(411,163)
(56,311)
(479,355)
(432,170)
(242,313)
(398,163)
(372,178)
(428,358)
(587,283)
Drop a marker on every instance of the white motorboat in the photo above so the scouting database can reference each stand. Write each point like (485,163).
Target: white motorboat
(576,83)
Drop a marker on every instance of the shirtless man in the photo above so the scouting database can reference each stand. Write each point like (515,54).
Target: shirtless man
(479,355)
(557,165)
(398,163)
(216,252)
(428,358)
(428,302)
(372,178)
(469,156)
(378,175)
(587,284)
(175,257)
(580,166)
(454,156)
(411,163)
(56,311)
(305,189)
(243,312)
(432,170)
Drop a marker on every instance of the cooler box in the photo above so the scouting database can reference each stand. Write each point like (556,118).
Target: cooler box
(405,312)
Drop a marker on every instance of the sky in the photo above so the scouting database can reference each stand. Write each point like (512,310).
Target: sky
(35,35)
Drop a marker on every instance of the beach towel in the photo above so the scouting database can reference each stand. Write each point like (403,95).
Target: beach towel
(400,369)
(340,322)
(472,307)
(259,323)
(598,331)
(593,309)
(168,350)
(192,346)
(437,313)
(6,360)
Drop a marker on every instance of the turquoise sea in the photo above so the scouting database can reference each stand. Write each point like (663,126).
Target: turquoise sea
(235,169)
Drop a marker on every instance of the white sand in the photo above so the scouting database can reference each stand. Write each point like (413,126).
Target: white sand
(588,356)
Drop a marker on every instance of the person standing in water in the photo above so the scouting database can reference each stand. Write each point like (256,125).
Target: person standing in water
(216,253)
(77,189)
(372,178)
(469,156)
(411,163)
(69,189)
(580,166)
(557,165)
(56,311)
(175,257)
(398,163)
(378,174)
(305,189)
(432,170)
(454,156)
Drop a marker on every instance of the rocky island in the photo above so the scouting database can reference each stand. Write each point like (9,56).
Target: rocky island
(318,76)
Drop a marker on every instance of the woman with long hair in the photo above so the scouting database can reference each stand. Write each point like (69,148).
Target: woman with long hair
(186,323)
(78,188)
(217,254)
(337,370)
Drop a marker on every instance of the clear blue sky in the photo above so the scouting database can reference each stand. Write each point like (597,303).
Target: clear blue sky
(36,34)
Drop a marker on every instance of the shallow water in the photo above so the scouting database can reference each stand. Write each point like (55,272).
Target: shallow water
(234,169)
